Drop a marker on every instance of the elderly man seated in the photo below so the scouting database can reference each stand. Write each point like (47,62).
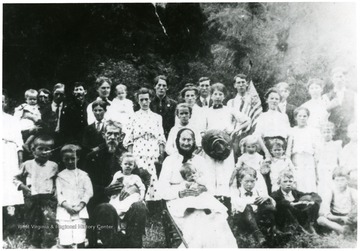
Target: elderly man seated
(101,166)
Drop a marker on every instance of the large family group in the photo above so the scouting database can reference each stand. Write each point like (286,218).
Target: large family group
(77,171)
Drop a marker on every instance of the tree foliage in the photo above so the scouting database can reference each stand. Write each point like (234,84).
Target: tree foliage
(132,43)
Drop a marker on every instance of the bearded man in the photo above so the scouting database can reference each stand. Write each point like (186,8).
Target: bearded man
(101,165)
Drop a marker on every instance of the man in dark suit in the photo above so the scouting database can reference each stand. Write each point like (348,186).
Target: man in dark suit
(294,209)
(101,165)
(93,133)
(74,117)
(163,105)
(284,106)
(204,100)
(341,106)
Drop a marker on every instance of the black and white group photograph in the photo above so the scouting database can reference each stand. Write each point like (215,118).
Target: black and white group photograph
(179,124)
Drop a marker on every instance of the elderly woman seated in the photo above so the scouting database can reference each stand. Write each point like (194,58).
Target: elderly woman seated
(182,183)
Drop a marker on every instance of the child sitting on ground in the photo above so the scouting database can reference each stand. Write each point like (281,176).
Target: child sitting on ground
(295,210)
(339,207)
(327,156)
(251,206)
(122,181)
(121,108)
(74,189)
(28,113)
(37,180)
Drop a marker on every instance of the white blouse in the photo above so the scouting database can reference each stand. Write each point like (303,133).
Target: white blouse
(272,124)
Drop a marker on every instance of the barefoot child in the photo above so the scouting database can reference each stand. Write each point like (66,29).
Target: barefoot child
(37,181)
(339,208)
(74,190)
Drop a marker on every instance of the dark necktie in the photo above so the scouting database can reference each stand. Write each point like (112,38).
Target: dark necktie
(205,103)
(98,128)
(218,106)
(248,193)
(242,104)
(57,111)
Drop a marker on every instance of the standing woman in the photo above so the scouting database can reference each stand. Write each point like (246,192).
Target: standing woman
(12,158)
(145,139)
(103,88)
(272,123)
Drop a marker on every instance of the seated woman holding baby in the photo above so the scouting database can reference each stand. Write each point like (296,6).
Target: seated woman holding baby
(182,184)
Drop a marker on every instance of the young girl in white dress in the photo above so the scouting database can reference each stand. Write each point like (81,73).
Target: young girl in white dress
(121,108)
(204,201)
(302,142)
(278,162)
(127,179)
(250,157)
(327,156)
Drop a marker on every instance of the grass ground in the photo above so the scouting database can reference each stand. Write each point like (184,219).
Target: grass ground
(155,238)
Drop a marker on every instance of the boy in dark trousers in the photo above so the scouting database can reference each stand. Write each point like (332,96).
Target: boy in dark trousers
(37,181)
(294,209)
(252,206)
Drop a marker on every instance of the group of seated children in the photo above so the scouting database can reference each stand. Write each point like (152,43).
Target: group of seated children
(288,208)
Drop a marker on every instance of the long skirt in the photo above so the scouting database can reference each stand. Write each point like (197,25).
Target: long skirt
(202,230)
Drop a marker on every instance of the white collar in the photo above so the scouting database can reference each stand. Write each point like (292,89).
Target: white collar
(286,194)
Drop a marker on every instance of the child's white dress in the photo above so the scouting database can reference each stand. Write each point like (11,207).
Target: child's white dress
(72,186)
(328,158)
(120,110)
(122,206)
(303,150)
(277,165)
(27,123)
(201,202)
(255,161)
(11,143)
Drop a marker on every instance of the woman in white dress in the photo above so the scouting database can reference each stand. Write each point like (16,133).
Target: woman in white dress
(316,105)
(272,123)
(200,230)
(145,139)
(12,157)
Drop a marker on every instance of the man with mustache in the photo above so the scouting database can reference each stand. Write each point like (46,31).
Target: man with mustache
(101,165)
(74,116)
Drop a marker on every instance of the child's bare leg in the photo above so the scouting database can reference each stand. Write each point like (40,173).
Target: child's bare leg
(323,221)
